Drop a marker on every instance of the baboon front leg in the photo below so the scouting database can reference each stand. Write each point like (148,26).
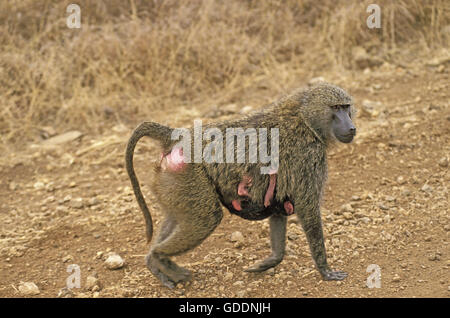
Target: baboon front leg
(312,225)
(278,243)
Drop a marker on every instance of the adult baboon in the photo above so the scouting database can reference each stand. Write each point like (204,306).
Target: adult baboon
(191,194)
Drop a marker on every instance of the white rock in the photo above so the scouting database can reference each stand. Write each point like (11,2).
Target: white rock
(114,261)
(28,289)
(91,282)
(237,237)
(228,276)
(426,188)
(77,203)
(38,185)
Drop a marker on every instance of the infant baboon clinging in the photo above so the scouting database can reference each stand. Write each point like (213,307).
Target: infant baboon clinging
(191,194)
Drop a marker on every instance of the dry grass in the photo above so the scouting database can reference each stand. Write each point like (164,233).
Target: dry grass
(133,58)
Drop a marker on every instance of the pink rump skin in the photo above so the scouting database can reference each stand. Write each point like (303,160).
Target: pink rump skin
(173,161)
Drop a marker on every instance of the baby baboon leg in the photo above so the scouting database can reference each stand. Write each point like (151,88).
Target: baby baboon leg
(278,242)
(312,225)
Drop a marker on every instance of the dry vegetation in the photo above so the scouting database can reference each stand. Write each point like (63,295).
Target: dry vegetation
(133,58)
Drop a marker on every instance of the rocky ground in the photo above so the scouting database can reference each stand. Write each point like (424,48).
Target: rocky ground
(66,202)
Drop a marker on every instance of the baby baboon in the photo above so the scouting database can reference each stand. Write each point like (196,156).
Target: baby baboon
(191,194)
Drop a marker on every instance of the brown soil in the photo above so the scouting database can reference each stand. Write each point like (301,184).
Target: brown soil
(395,177)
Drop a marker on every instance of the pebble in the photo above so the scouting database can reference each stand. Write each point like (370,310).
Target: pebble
(114,261)
(389,198)
(39,185)
(77,203)
(396,278)
(426,188)
(443,162)
(228,276)
(246,110)
(65,293)
(93,201)
(13,186)
(434,257)
(91,282)
(28,289)
(292,236)
(401,180)
(237,237)
(347,208)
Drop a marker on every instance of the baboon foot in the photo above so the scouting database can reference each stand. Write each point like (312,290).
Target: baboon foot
(269,262)
(333,275)
(167,271)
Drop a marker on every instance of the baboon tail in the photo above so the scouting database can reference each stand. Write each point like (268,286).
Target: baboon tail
(154,131)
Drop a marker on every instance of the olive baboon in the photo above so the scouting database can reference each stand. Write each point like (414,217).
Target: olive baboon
(191,194)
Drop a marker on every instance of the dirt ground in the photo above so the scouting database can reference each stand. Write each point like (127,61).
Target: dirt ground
(386,203)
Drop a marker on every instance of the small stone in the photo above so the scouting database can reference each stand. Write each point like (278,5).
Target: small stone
(77,203)
(67,258)
(61,210)
(396,278)
(443,162)
(406,192)
(355,198)
(28,289)
(292,236)
(246,110)
(365,220)
(228,276)
(389,198)
(65,293)
(13,186)
(91,282)
(114,261)
(270,271)
(316,80)
(93,201)
(237,237)
(348,215)
(434,257)
(401,180)
(39,185)
(347,208)
(382,206)
(426,188)
(241,293)
(238,283)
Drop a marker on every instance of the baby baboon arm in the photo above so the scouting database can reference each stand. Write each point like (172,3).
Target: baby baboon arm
(288,208)
(277,241)
(244,185)
(270,189)
(236,205)
(312,225)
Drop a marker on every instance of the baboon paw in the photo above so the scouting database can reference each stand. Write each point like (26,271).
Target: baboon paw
(336,275)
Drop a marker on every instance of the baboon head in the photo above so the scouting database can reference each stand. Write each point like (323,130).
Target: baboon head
(330,110)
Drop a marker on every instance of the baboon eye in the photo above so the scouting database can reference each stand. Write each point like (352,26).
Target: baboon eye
(335,107)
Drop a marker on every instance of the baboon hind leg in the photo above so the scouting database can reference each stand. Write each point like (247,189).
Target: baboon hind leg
(181,231)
